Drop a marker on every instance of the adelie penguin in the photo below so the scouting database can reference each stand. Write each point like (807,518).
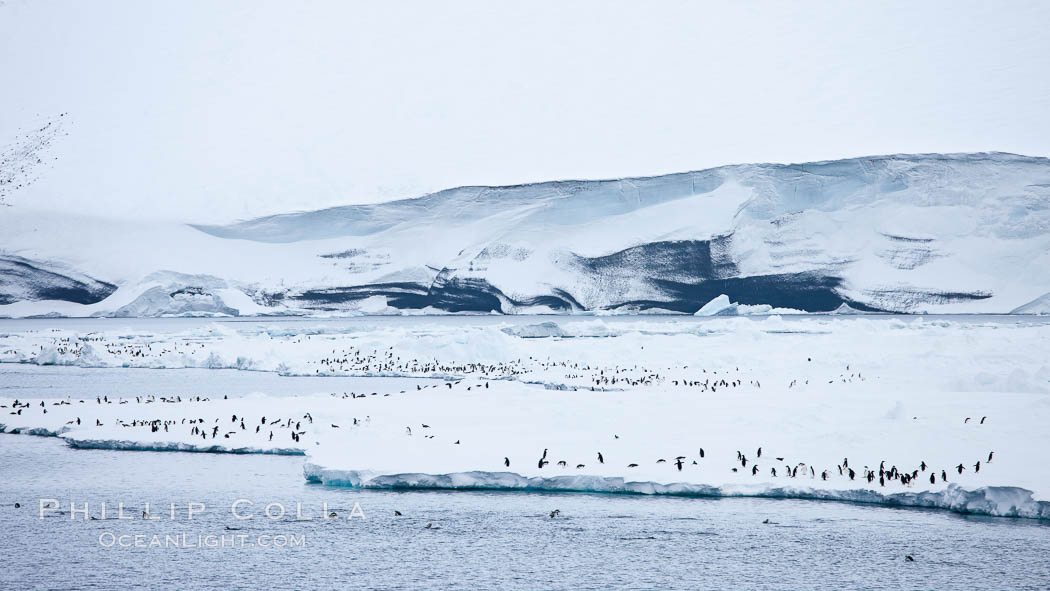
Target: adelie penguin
(506,462)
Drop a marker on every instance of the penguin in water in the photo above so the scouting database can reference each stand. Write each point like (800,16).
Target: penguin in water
(909,558)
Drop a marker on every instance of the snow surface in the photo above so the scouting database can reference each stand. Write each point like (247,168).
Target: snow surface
(957,233)
(809,390)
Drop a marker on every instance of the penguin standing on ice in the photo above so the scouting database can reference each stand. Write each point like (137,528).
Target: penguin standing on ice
(601,460)
(506,462)
(990,454)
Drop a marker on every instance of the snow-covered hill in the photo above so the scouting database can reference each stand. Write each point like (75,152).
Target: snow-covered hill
(960,233)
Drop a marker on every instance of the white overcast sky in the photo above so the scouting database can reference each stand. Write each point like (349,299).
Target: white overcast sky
(218,110)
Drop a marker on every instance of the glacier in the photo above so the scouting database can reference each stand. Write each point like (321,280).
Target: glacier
(925,233)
